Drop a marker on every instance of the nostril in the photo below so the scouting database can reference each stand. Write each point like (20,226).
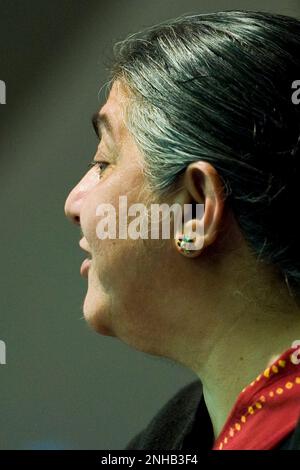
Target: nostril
(76,219)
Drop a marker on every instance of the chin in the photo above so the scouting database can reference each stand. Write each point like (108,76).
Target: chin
(95,314)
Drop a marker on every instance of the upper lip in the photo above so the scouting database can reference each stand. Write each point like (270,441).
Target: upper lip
(84,246)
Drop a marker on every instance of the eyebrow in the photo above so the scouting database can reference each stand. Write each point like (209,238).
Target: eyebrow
(101,121)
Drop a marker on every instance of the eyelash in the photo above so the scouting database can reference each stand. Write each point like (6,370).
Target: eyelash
(94,163)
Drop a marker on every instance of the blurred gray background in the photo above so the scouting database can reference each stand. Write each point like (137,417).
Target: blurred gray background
(64,386)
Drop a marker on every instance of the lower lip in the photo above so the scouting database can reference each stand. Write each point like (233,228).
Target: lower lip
(85,267)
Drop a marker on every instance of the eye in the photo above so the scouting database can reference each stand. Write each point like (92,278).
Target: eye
(101,166)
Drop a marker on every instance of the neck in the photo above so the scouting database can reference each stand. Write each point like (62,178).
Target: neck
(240,355)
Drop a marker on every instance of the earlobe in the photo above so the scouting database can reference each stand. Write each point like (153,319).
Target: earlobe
(188,245)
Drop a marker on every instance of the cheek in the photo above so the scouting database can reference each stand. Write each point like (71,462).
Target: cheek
(108,191)
(129,271)
(140,297)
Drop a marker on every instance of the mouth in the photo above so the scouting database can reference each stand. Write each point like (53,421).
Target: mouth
(84,269)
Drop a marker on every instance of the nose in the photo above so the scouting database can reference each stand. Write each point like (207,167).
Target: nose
(72,205)
(75,199)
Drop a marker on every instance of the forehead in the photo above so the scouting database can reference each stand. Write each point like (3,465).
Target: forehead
(113,108)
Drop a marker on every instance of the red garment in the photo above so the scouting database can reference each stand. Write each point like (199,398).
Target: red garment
(268,409)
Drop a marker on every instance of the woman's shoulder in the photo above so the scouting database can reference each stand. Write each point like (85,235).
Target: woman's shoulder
(172,423)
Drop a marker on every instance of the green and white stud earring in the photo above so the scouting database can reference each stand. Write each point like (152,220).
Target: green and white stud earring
(181,243)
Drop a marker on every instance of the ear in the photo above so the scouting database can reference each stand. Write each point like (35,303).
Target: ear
(201,185)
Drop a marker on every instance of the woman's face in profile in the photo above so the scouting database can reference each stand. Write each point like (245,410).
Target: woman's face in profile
(127,279)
